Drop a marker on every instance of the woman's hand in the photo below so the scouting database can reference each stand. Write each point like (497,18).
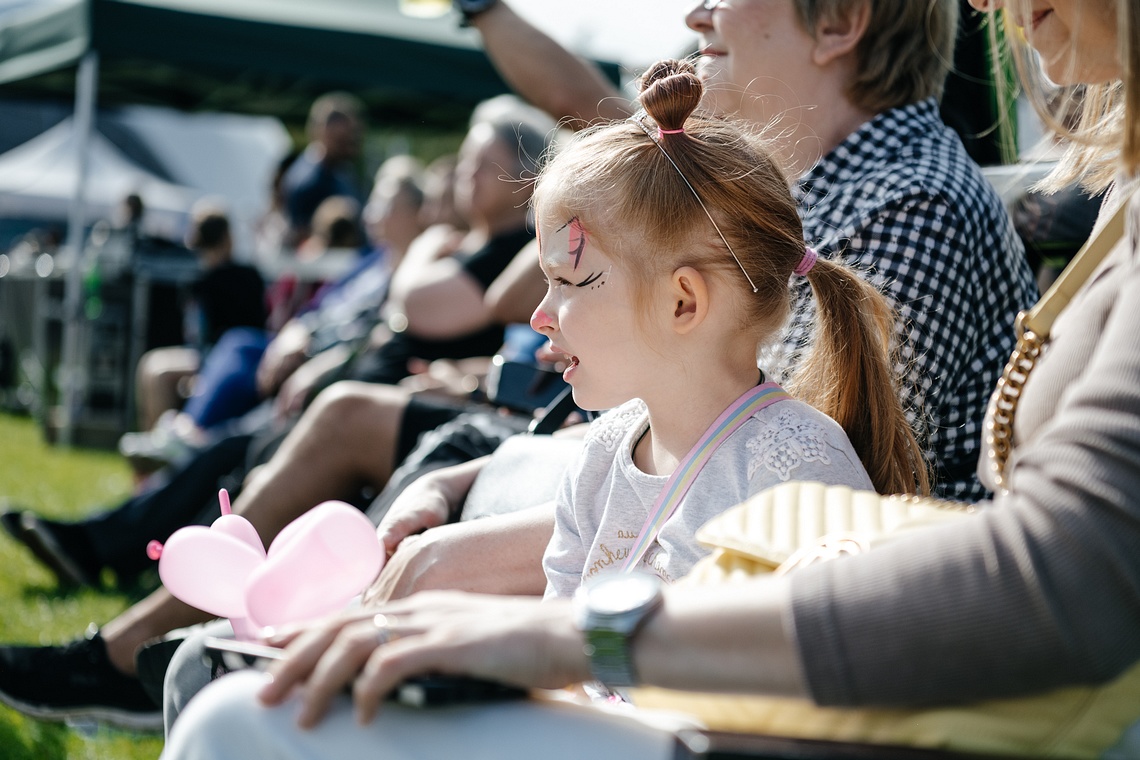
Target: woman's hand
(448,379)
(298,386)
(520,641)
(284,354)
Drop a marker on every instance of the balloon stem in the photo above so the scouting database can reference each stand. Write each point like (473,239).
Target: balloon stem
(224,500)
(154,550)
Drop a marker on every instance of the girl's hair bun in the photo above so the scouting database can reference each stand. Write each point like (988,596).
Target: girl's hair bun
(670,92)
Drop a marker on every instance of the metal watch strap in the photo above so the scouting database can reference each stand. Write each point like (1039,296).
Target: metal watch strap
(609,611)
(611,659)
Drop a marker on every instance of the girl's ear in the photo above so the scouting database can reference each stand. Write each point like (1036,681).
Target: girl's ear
(839,33)
(690,299)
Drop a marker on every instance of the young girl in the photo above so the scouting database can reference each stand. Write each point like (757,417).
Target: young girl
(669,243)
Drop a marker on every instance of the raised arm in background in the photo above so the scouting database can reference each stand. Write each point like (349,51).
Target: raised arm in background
(546,74)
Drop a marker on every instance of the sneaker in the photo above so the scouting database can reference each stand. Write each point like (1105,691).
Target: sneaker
(74,681)
(166,444)
(37,534)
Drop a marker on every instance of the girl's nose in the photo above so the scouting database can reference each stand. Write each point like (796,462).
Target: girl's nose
(540,321)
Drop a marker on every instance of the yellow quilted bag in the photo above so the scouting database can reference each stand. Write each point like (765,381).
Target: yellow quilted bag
(782,527)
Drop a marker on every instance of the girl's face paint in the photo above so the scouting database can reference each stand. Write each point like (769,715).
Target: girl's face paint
(588,315)
(571,238)
(567,244)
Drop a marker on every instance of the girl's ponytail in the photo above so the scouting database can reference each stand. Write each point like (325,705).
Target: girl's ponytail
(848,375)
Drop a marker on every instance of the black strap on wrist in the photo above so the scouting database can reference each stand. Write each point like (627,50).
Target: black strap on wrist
(466,16)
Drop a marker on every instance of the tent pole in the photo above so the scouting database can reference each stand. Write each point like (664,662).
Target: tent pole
(73,374)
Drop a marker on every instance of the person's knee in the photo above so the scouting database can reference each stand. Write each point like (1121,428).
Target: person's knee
(163,362)
(348,403)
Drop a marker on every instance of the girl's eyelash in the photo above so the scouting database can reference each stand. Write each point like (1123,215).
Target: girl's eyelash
(588,280)
(562,281)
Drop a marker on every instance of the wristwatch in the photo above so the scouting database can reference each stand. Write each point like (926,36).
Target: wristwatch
(471,8)
(609,610)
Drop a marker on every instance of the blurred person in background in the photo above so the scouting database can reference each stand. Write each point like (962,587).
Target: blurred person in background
(326,167)
(227,305)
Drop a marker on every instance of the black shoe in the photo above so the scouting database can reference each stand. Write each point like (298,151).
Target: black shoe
(38,535)
(74,681)
(153,660)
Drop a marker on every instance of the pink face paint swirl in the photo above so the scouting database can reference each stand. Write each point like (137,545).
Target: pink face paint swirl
(575,239)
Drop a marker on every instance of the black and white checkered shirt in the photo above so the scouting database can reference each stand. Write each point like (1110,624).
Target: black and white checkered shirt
(900,200)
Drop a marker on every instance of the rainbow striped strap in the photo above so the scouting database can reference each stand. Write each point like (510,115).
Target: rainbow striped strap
(674,490)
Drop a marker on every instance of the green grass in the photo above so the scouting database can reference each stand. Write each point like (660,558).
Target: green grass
(57,483)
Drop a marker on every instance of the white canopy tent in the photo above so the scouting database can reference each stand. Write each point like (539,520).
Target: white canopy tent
(38,179)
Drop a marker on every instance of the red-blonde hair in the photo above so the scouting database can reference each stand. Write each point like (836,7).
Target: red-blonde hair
(643,208)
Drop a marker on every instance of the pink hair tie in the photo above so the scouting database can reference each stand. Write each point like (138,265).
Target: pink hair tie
(662,132)
(807,262)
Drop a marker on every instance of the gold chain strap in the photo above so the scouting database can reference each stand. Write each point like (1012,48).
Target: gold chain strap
(1033,329)
(1003,403)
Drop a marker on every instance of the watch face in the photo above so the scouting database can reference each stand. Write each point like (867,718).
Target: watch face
(616,594)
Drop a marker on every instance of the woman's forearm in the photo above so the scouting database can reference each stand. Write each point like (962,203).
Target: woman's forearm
(723,638)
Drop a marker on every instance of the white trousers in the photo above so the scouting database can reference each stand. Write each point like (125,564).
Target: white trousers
(225,722)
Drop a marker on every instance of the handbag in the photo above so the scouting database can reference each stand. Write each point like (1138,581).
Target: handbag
(793,524)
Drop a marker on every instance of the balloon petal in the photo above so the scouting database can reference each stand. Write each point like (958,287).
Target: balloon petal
(316,566)
(241,529)
(208,569)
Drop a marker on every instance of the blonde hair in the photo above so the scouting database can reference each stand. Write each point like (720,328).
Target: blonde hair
(1103,137)
(623,188)
(905,54)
